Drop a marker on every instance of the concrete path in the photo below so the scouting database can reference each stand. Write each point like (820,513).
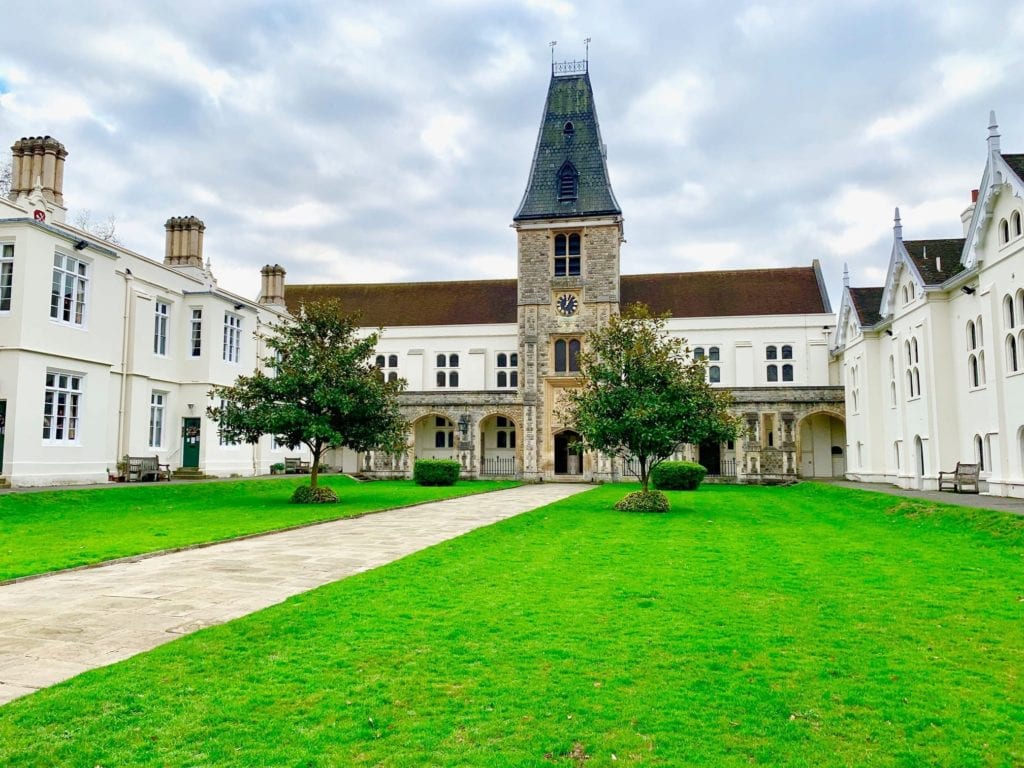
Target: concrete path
(58,626)
(979,500)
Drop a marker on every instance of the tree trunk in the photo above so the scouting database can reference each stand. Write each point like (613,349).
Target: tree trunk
(316,449)
(644,473)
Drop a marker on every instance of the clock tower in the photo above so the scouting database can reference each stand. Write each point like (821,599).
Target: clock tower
(569,229)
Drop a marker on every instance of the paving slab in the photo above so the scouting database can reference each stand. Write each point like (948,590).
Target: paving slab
(978,500)
(60,625)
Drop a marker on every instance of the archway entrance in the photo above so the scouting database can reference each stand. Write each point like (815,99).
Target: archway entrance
(498,447)
(568,458)
(709,455)
(822,446)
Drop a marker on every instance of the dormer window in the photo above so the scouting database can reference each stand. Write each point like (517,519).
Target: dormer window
(568,183)
(569,130)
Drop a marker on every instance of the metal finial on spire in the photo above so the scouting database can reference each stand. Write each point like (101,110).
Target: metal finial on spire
(846,275)
(586,42)
(897,225)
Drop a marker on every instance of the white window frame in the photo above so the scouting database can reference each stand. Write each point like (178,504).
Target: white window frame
(157,418)
(161,321)
(195,336)
(223,441)
(62,389)
(6,276)
(232,337)
(510,370)
(69,273)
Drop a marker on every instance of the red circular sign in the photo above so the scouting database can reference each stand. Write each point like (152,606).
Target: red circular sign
(39,215)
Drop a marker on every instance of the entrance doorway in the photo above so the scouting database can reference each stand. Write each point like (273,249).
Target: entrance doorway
(568,458)
(709,456)
(3,428)
(822,446)
(190,432)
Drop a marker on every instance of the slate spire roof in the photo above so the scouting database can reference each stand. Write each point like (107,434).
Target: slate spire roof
(569,140)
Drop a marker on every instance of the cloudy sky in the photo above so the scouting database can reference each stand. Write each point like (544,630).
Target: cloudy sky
(378,141)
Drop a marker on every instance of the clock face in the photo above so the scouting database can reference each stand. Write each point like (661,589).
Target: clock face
(567,304)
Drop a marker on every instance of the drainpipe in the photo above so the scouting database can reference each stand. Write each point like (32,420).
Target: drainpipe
(125,336)
(259,356)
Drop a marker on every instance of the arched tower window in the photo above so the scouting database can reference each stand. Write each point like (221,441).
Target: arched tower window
(1004,231)
(1016,224)
(568,182)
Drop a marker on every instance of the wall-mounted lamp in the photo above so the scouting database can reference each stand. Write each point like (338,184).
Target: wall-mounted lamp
(238,306)
(191,407)
(464,425)
(967,289)
(888,331)
(81,245)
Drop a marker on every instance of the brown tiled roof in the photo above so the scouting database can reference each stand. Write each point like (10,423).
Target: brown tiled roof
(465,302)
(925,252)
(788,291)
(868,303)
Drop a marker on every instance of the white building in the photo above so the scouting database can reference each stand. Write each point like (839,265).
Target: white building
(932,361)
(106,353)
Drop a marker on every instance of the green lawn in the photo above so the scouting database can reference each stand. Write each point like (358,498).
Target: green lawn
(804,626)
(50,530)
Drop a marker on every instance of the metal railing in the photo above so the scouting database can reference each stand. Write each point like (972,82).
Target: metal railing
(499,466)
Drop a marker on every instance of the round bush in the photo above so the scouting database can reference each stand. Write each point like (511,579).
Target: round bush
(436,471)
(305,494)
(643,501)
(678,476)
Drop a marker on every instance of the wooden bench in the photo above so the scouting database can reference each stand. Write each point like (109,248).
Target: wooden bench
(964,475)
(296,466)
(142,468)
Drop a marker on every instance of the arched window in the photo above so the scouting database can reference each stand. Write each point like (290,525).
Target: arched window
(1019,314)
(453,361)
(567,254)
(892,393)
(787,372)
(441,378)
(1012,364)
(574,355)
(910,358)
(1020,448)
(972,371)
(380,361)
(979,452)
(892,367)
(771,353)
(919,446)
(453,379)
(787,352)
(917,382)
(442,361)
(1009,316)
(502,379)
(1004,232)
(1015,223)
(773,373)
(392,361)
(896,452)
(502,360)
(560,356)
(981,368)
(981,332)
(698,353)
(714,374)
(568,182)
(910,383)
(713,354)
(393,376)
(913,347)
(972,335)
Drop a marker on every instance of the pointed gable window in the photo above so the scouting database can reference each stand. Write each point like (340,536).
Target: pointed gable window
(568,182)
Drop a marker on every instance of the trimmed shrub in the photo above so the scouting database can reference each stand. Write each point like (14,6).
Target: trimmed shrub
(643,501)
(306,494)
(436,471)
(678,476)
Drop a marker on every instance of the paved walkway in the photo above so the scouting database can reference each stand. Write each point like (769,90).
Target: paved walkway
(979,500)
(58,626)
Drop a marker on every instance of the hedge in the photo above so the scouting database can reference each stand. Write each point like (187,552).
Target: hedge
(436,471)
(678,476)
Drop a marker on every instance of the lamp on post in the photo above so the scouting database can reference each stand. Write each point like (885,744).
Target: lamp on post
(464,427)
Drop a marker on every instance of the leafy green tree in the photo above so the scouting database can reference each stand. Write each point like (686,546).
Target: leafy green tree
(321,389)
(642,395)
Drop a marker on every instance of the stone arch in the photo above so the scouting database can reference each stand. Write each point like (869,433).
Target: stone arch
(821,443)
(500,444)
(425,430)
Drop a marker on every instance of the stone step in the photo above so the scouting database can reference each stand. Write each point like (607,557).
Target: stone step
(189,473)
(4,482)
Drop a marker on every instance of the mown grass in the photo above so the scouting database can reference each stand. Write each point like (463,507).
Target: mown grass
(51,530)
(806,626)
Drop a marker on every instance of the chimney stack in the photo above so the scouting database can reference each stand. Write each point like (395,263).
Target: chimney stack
(184,242)
(38,158)
(272,286)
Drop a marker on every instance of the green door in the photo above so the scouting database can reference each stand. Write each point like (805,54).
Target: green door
(190,429)
(3,428)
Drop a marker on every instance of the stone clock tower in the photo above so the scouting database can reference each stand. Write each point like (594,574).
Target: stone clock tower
(569,229)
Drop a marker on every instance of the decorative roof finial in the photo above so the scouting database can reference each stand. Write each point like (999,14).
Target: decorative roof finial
(897,228)
(846,275)
(993,132)
(586,42)
(553,43)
